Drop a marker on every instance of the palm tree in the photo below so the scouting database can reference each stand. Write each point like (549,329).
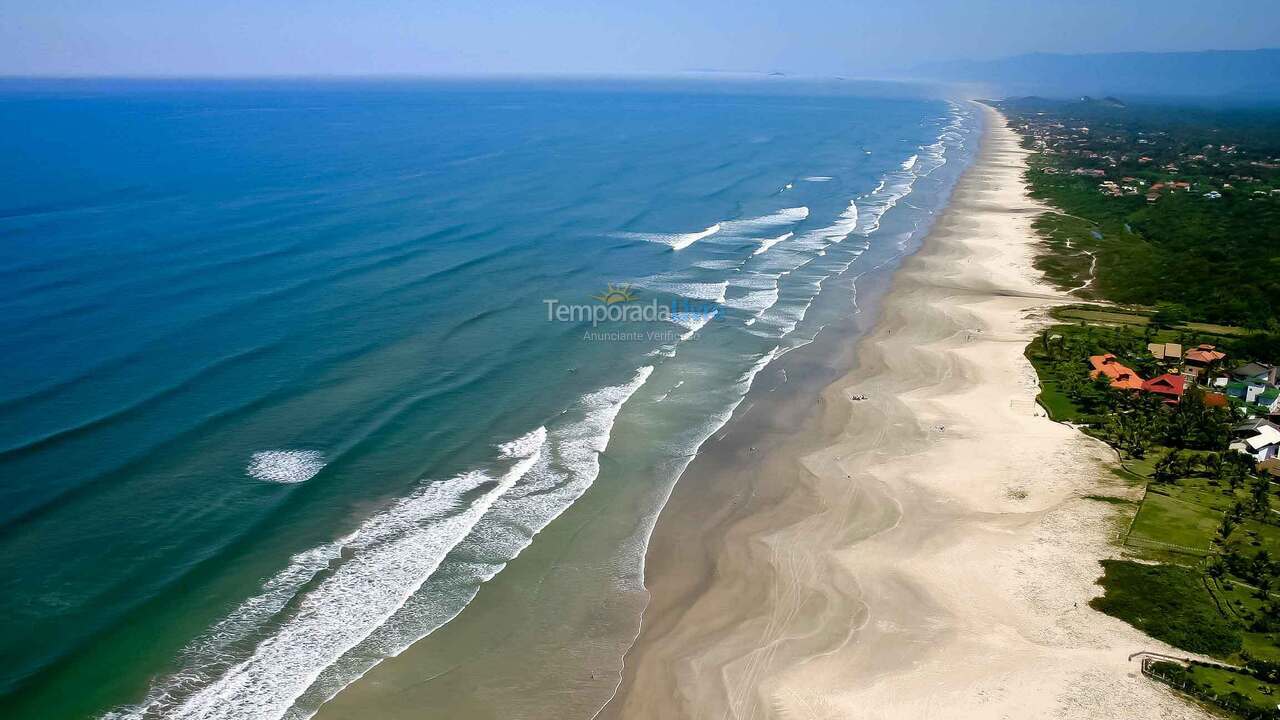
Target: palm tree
(1261,496)
(1264,586)
(1224,530)
(1212,464)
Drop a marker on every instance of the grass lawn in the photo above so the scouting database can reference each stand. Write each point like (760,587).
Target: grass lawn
(1171,521)
(1057,404)
(1115,317)
(1240,602)
(1219,330)
(1201,491)
(1051,398)
(1225,682)
(1140,318)
(1145,466)
(1262,535)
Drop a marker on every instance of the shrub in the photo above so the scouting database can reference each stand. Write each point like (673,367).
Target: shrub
(1169,603)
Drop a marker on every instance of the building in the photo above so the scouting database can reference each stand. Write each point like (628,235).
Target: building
(1121,377)
(1262,445)
(1271,401)
(1168,386)
(1256,393)
(1250,427)
(1166,352)
(1203,355)
(1255,373)
(1270,467)
(1216,399)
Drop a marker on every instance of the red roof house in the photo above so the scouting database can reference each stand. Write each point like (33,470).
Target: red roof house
(1204,354)
(1121,377)
(1213,399)
(1169,385)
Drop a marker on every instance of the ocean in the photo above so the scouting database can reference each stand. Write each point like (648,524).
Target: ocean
(299,373)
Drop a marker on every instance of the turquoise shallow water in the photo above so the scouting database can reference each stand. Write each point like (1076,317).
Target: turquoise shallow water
(284,381)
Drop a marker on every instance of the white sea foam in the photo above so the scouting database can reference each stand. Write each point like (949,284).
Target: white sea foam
(727,229)
(567,467)
(708,291)
(285,466)
(692,322)
(208,655)
(767,243)
(753,281)
(717,264)
(735,230)
(785,216)
(676,241)
(681,242)
(837,231)
(888,193)
(755,301)
(334,631)
(390,556)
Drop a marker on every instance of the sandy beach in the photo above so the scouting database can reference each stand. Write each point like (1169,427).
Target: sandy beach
(915,542)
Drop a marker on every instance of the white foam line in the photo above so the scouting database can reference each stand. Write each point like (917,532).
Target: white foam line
(567,468)
(677,241)
(392,554)
(680,242)
(735,230)
(709,291)
(837,231)
(693,322)
(207,655)
(767,243)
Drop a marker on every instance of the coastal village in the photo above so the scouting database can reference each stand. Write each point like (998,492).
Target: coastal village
(1199,428)
(1252,384)
(1165,223)
(1149,163)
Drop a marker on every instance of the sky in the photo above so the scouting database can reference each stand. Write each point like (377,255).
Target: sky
(451,37)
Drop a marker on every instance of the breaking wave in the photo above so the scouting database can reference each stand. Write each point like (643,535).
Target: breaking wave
(331,605)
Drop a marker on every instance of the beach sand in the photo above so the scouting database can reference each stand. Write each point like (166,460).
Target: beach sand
(926,551)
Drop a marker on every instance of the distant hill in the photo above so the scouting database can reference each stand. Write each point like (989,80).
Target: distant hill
(1244,76)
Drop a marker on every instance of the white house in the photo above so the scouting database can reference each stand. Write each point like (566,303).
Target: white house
(1263,445)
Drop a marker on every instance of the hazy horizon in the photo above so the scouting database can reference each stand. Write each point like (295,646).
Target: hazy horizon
(135,38)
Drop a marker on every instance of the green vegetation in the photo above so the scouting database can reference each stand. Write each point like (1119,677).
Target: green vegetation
(1133,423)
(1245,694)
(1167,602)
(1169,521)
(1177,205)
(1171,219)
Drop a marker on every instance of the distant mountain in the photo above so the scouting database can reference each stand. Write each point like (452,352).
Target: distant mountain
(1241,75)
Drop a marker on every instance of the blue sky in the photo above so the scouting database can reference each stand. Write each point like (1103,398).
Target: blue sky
(854,38)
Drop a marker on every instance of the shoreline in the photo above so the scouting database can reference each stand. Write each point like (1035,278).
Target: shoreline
(464,668)
(925,551)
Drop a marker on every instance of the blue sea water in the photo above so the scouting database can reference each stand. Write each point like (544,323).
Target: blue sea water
(283,383)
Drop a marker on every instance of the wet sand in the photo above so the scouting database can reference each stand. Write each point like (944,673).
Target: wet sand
(914,539)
